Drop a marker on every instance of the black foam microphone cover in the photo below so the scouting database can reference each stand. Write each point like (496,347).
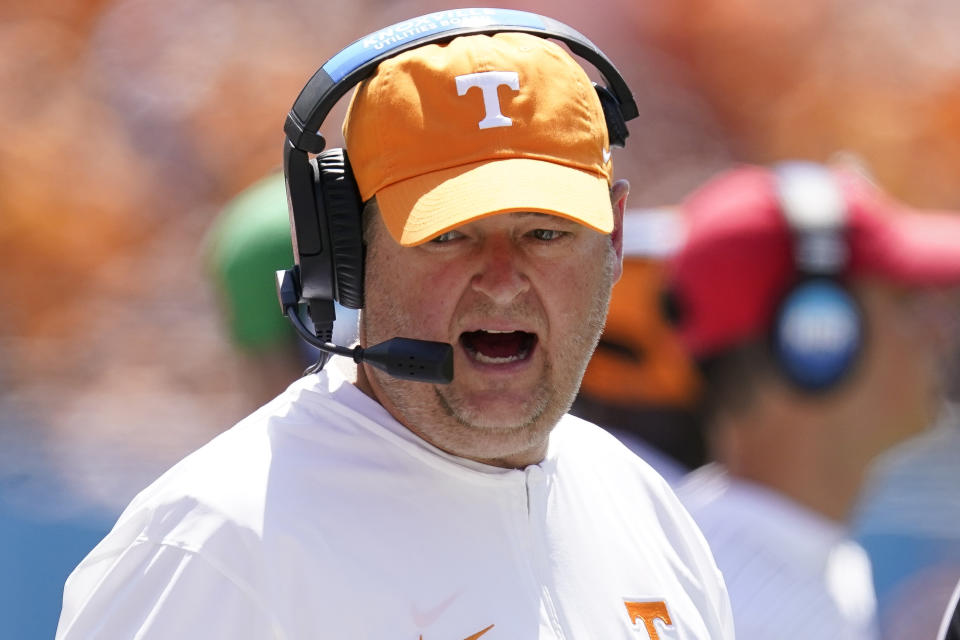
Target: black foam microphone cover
(420,360)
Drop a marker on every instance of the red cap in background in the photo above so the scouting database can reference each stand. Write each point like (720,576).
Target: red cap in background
(736,263)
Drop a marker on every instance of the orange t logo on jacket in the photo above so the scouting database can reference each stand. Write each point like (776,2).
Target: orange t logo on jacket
(646,613)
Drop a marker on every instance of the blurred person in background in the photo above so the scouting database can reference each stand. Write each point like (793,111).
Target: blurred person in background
(908,518)
(817,310)
(640,384)
(245,246)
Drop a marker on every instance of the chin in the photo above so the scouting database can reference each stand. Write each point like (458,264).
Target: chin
(516,446)
(500,409)
(500,428)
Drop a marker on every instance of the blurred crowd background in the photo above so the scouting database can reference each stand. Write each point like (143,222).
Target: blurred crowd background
(127,125)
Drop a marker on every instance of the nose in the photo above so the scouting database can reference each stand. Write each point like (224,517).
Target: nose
(500,275)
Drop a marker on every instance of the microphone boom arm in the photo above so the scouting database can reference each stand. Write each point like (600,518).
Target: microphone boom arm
(418,360)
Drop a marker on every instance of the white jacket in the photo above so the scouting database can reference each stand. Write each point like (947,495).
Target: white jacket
(319,516)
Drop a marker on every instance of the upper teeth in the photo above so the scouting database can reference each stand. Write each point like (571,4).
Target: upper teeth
(495,331)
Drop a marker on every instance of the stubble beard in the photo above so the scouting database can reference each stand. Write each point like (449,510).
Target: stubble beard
(443,415)
(524,431)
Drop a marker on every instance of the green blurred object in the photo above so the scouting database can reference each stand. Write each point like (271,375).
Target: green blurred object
(247,243)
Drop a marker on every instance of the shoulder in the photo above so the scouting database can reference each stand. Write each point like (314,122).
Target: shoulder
(745,520)
(211,521)
(767,545)
(275,459)
(595,462)
(599,453)
(223,485)
(740,520)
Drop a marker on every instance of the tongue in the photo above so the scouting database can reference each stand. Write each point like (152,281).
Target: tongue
(495,345)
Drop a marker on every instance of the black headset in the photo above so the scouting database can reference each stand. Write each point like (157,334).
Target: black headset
(324,202)
(818,330)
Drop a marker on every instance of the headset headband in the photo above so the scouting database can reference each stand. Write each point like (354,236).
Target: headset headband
(815,209)
(818,330)
(360,59)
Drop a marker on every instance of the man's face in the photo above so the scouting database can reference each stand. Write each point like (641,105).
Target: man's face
(522,298)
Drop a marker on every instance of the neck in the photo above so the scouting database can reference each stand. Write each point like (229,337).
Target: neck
(828,490)
(802,460)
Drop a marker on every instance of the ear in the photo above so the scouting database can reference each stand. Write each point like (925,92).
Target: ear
(618,202)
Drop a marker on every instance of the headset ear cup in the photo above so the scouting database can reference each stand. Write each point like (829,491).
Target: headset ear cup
(343,207)
(617,131)
(818,334)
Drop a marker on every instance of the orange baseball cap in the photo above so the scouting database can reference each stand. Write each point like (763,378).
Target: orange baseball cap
(484,124)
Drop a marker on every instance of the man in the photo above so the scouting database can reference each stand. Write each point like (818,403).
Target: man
(357,505)
(818,309)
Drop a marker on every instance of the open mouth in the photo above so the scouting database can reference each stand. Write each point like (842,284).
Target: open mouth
(498,347)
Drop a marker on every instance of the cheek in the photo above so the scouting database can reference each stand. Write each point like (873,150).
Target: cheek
(573,294)
(410,298)
(432,293)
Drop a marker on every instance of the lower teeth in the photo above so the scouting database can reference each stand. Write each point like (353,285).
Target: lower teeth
(498,359)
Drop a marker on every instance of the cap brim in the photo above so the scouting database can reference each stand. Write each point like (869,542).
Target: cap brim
(919,248)
(425,206)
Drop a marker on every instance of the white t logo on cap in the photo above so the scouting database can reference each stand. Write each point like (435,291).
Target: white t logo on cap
(488,81)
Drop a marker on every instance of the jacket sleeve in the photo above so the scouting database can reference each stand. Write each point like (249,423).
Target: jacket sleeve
(154,590)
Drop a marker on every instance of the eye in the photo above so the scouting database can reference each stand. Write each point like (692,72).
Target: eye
(547,235)
(447,237)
